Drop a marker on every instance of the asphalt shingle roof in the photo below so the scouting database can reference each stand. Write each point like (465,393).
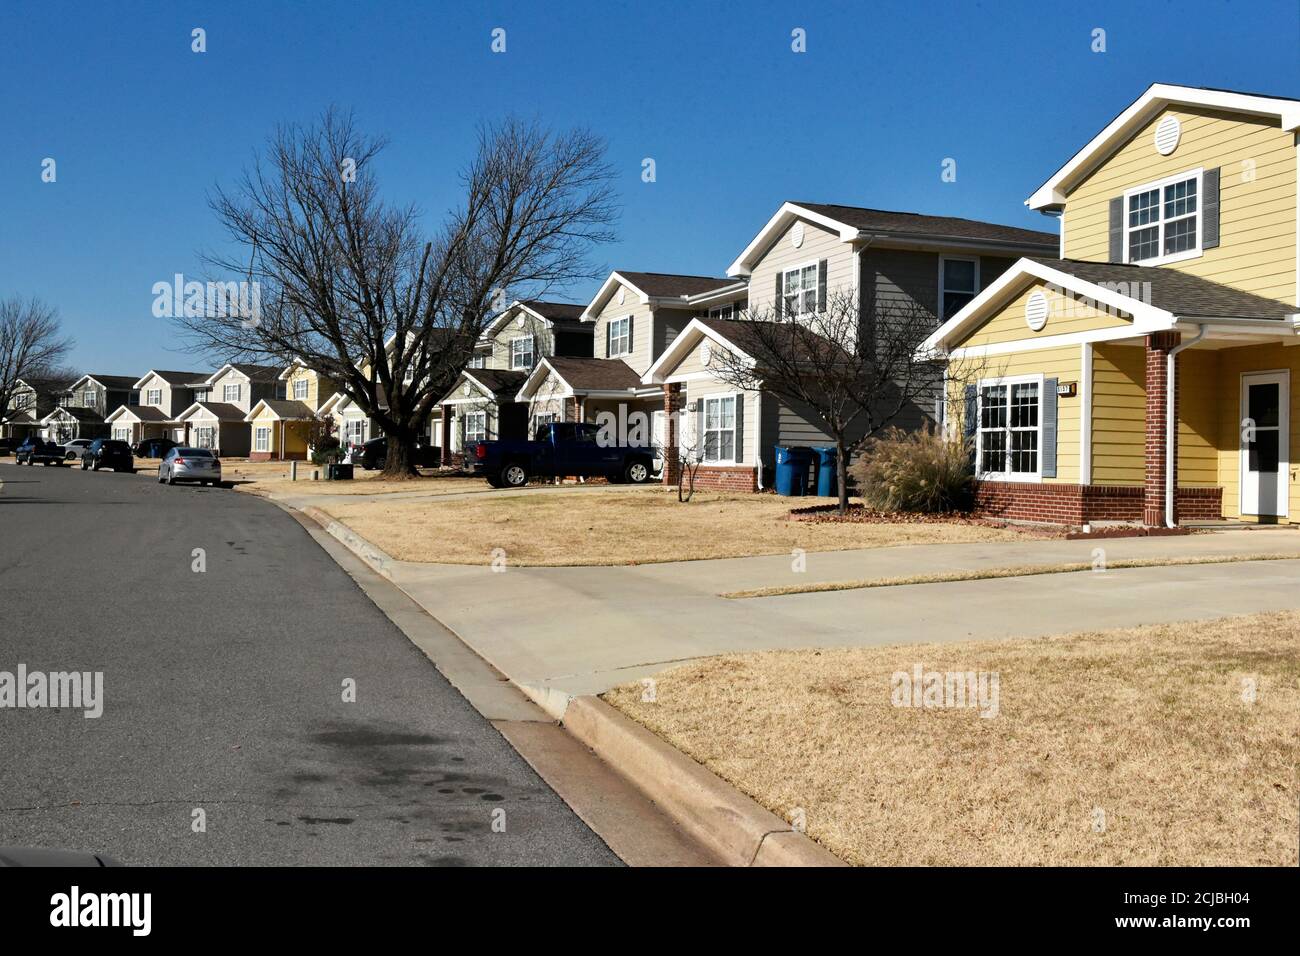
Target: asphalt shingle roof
(938,227)
(502,383)
(224,411)
(285,408)
(667,285)
(563,313)
(594,373)
(179,378)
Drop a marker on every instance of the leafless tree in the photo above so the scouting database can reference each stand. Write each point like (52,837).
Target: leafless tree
(350,285)
(854,373)
(32,344)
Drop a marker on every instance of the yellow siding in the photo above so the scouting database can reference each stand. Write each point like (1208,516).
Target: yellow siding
(1257,219)
(1059,363)
(1199,407)
(1118,414)
(319,388)
(1066,316)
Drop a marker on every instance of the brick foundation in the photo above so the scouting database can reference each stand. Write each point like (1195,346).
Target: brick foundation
(1075,504)
(723,478)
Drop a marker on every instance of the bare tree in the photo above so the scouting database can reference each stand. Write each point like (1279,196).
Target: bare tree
(32,345)
(854,373)
(350,286)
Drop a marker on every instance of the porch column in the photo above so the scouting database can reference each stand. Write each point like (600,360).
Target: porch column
(1158,346)
(672,404)
(446,436)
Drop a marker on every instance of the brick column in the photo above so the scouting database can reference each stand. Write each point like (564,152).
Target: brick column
(1153,502)
(672,405)
(446,436)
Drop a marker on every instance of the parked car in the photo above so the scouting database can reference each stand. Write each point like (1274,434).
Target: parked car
(7,446)
(561,448)
(154,447)
(108,453)
(374,454)
(34,450)
(72,450)
(190,464)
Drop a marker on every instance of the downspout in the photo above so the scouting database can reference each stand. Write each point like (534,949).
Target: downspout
(1171,425)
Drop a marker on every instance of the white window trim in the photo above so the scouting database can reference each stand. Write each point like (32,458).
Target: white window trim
(1194,253)
(817,291)
(737,453)
(262,438)
(149,396)
(942,290)
(306,389)
(532,351)
(716,311)
(225,392)
(477,436)
(1032,477)
(626,320)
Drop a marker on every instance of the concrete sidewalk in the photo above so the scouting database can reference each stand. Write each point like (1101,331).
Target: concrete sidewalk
(564,632)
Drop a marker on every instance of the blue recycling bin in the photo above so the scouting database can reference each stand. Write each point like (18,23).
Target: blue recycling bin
(828,485)
(792,471)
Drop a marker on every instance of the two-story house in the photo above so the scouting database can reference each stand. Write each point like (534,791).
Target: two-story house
(484,401)
(807,258)
(1144,373)
(163,396)
(282,428)
(30,400)
(85,405)
(219,403)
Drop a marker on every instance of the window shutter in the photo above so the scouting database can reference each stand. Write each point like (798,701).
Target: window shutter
(699,429)
(608,337)
(1210,208)
(970,418)
(740,427)
(821,285)
(780,295)
(1047,454)
(630,340)
(1117,229)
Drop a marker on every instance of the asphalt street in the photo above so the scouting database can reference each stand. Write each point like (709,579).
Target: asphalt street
(224,693)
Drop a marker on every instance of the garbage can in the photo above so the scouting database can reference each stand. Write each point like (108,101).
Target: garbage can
(791,471)
(828,485)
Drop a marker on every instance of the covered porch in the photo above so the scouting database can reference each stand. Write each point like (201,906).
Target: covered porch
(135,423)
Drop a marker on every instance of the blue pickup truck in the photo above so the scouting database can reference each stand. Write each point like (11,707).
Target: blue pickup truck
(561,448)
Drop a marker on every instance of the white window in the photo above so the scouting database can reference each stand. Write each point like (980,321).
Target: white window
(356,431)
(205,437)
(958,283)
(22,400)
(231,393)
(720,428)
(88,399)
(300,389)
(620,336)
(799,291)
(722,311)
(475,426)
(1009,432)
(153,396)
(521,352)
(1162,220)
(261,438)
(478,360)
(542,420)
(122,433)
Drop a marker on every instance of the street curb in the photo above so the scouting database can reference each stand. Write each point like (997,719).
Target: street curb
(713,812)
(732,825)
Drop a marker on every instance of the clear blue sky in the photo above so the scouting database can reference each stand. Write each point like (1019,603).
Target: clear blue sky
(142,128)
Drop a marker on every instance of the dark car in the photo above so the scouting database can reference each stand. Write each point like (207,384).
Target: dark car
(36,450)
(154,447)
(374,454)
(108,453)
(561,448)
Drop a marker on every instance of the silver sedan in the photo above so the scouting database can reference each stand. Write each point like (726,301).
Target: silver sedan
(190,464)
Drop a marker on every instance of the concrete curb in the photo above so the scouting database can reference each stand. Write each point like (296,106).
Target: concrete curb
(711,811)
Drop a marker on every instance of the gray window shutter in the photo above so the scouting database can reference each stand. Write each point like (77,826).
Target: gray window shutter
(630,335)
(971,415)
(780,295)
(740,427)
(608,338)
(699,428)
(1210,208)
(1048,410)
(1117,229)
(821,285)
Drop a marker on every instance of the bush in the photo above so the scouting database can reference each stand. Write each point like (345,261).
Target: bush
(327,452)
(919,471)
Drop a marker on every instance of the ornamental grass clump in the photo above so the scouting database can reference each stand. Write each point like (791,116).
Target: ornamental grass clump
(919,472)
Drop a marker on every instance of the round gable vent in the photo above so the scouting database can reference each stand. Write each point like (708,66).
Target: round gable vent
(1167,132)
(1036,310)
(466,388)
(796,235)
(706,354)
(622,294)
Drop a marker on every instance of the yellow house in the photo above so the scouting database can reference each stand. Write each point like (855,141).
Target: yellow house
(281,429)
(1145,374)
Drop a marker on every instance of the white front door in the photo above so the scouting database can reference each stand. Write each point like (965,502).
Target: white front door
(1265,449)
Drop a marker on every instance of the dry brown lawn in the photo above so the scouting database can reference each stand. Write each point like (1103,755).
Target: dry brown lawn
(594,527)
(272,477)
(1147,726)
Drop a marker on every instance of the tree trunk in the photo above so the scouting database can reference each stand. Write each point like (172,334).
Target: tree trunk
(399,457)
(840,472)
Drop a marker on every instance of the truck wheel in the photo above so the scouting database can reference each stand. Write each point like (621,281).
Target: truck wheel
(637,472)
(514,476)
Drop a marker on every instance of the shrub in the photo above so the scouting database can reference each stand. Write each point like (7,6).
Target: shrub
(919,471)
(327,452)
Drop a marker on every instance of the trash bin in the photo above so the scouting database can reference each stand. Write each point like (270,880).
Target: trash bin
(338,472)
(828,485)
(791,471)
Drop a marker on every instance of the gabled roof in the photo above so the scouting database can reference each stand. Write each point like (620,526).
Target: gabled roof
(286,410)
(85,415)
(582,375)
(222,411)
(858,223)
(663,287)
(141,413)
(113,382)
(559,315)
(171,378)
(1164,296)
(499,383)
(45,386)
(1157,97)
(254,373)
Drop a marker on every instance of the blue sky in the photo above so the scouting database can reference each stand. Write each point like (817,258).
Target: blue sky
(142,128)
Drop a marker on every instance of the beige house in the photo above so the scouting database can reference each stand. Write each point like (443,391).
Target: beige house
(163,396)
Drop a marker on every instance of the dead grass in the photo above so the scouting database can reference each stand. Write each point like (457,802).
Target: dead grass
(1147,725)
(272,477)
(1011,571)
(593,527)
